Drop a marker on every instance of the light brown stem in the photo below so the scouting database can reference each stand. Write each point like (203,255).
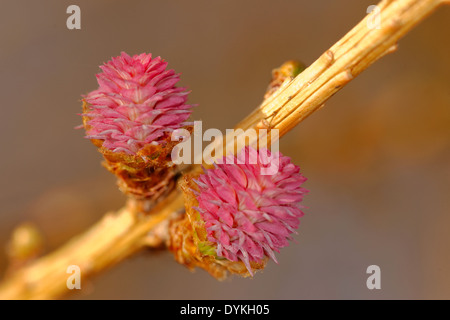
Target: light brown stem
(115,237)
(120,234)
(355,52)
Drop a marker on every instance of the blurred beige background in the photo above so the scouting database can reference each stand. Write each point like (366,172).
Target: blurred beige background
(377,156)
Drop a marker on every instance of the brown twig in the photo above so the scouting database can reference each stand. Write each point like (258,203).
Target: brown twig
(118,235)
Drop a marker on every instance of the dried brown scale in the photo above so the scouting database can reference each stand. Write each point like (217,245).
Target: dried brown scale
(147,175)
(287,71)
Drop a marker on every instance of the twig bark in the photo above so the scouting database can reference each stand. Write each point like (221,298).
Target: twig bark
(118,235)
(355,52)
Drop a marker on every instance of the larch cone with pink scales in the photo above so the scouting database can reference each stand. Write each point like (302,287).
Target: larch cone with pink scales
(239,213)
(137,103)
(131,117)
(248,215)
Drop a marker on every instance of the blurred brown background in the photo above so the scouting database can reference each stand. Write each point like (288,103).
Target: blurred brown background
(377,156)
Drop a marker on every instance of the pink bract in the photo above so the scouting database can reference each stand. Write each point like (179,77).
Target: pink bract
(249,215)
(137,103)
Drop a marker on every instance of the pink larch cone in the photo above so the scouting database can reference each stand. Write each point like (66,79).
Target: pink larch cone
(242,215)
(131,116)
(136,104)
